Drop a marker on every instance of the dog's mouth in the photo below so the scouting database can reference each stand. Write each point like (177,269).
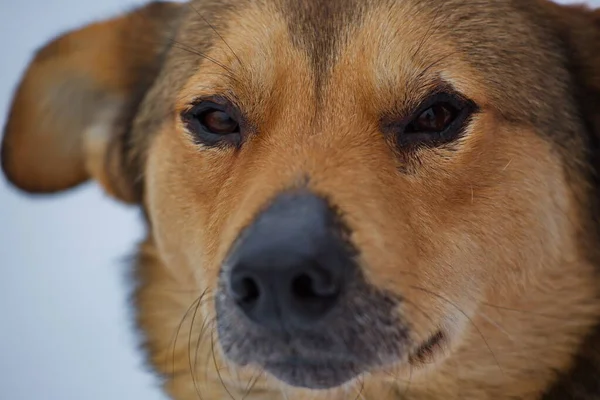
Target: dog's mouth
(314,373)
(324,355)
(332,352)
(425,354)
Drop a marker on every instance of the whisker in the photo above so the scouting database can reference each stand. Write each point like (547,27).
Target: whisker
(466,316)
(177,331)
(218,34)
(430,32)
(190,50)
(197,348)
(487,304)
(210,327)
(395,378)
(192,372)
(360,395)
(253,382)
(212,340)
(496,325)
(200,337)
(525,312)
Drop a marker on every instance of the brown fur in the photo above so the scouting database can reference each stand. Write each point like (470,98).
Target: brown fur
(492,239)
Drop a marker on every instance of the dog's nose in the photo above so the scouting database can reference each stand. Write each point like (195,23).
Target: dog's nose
(290,266)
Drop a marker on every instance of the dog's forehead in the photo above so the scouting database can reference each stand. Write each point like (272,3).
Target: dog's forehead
(497,36)
(319,26)
(507,43)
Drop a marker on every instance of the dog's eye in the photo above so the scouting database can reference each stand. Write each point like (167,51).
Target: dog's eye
(434,119)
(440,119)
(212,123)
(218,122)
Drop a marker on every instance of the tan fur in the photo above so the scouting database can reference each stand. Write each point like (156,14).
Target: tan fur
(75,87)
(488,241)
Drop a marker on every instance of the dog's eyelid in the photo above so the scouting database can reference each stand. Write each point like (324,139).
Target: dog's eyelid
(442,88)
(223,99)
(437,118)
(205,93)
(442,91)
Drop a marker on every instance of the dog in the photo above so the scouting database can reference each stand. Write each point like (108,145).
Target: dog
(344,199)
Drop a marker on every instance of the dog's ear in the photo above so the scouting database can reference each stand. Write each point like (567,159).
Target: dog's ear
(578,27)
(77,99)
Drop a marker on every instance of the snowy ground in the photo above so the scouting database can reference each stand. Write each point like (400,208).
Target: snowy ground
(65,331)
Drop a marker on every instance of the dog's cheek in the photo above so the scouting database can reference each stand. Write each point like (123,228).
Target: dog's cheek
(533,188)
(177,202)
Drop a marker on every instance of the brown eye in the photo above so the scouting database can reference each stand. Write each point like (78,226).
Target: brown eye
(219,122)
(213,123)
(434,119)
(440,119)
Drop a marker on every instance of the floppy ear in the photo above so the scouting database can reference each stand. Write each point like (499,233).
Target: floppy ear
(579,30)
(71,112)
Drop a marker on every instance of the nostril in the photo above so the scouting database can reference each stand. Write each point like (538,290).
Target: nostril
(312,285)
(245,290)
(303,288)
(251,291)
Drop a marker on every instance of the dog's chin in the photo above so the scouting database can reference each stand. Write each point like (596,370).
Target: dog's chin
(313,374)
(323,373)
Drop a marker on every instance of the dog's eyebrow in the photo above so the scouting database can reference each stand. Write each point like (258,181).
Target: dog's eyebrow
(417,92)
(199,93)
(441,85)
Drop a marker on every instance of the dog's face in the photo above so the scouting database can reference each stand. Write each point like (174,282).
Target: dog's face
(351,186)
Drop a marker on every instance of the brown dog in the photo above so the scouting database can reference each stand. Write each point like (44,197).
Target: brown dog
(345,199)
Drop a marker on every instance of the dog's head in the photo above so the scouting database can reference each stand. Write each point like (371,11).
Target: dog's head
(357,187)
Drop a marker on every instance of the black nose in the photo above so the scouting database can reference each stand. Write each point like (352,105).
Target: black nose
(289,268)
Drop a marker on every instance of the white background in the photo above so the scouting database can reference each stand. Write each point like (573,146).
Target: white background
(65,330)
